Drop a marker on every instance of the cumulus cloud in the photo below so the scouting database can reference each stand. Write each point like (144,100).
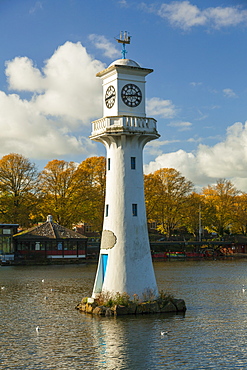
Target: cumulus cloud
(100,42)
(24,130)
(226,159)
(185,15)
(66,96)
(160,107)
(23,76)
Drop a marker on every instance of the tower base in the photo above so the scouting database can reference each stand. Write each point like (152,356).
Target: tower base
(165,305)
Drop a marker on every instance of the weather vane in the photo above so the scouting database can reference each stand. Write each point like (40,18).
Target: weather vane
(124,39)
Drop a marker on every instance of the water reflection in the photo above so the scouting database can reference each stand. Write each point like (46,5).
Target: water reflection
(129,342)
(211,335)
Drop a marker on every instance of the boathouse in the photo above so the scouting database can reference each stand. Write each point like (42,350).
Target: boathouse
(50,240)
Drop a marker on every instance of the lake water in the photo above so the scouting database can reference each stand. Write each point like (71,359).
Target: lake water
(211,335)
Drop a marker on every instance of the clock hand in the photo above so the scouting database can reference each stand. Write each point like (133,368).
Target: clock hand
(109,97)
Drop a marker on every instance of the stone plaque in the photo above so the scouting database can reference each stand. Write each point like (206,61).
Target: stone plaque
(108,239)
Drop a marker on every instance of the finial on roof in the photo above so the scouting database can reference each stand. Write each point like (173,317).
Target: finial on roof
(124,39)
(49,218)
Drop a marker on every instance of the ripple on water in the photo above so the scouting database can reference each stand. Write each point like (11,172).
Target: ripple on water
(211,335)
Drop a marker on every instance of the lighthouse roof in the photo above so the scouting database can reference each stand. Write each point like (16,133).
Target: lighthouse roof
(125,62)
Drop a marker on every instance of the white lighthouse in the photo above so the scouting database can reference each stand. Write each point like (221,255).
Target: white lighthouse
(125,263)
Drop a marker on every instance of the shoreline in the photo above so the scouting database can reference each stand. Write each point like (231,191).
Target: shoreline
(160,258)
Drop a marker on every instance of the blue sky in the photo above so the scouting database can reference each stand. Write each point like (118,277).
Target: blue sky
(51,51)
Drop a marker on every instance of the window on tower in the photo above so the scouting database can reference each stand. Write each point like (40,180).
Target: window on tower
(109,164)
(133,163)
(106,210)
(134,209)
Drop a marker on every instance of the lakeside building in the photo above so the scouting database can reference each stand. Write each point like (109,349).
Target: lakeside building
(49,240)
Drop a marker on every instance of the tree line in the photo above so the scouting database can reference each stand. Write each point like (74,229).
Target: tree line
(73,193)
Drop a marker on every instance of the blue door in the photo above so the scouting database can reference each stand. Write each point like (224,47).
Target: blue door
(104,264)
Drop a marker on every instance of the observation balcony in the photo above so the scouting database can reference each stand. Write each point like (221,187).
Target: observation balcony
(124,125)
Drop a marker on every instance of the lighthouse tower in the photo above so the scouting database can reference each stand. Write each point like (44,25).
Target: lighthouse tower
(125,263)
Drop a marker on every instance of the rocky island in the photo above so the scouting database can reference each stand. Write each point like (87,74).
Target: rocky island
(121,304)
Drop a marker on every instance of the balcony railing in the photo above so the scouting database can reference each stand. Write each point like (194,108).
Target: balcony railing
(124,124)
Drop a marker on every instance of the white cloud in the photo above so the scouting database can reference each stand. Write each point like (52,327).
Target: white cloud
(184,162)
(74,92)
(185,15)
(154,147)
(182,14)
(194,140)
(229,93)
(100,42)
(195,84)
(159,143)
(181,125)
(37,6)
(66,96)
(224,17)
(24,130)
(23,76)
(226,159)
(123,3)
(159,107)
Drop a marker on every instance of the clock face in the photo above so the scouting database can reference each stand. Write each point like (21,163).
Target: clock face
(110,97)
(131,95)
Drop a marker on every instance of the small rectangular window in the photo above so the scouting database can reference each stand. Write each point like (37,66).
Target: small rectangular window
(106,210)
(7,231)
(134,209)
(133,163)
(109,164)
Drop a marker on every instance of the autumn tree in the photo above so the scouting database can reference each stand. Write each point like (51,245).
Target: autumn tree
(219,206)
(239,224)
(58,185)
(166,194)
(73,193)
(192,216)
(18,180)
(92,173)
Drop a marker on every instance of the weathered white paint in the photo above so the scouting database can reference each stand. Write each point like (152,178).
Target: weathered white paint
(125,263)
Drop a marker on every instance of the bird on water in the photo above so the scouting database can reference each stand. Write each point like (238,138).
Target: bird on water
(165,332)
